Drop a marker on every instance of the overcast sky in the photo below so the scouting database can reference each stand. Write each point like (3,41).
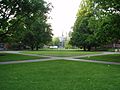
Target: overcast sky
(63,15)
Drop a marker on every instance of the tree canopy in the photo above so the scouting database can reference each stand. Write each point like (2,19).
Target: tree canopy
(97,23)
(25,21)
(13,12)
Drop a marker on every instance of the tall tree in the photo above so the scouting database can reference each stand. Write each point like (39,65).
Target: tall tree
(101,20)
(13,12)
(108,15)
(35,33)
(83,35)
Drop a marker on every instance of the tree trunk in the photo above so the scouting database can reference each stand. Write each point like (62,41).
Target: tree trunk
(95,48)
(32,47)
(84,48)
(89,48)
(37,48)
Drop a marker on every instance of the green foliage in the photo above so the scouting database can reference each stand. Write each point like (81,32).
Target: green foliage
(25,21)
(37,34)
(108,20)
(83,35)
(109,30)
(68,45)
(56,41)
(97,23)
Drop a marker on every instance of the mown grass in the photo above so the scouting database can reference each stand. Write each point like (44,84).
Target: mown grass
(110,58)
(16,57)
(61,53)
(59,75)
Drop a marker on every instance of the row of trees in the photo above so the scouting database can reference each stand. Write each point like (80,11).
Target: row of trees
(97,23)
(24,22)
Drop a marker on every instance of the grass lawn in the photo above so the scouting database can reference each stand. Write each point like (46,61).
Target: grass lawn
(60,53)
(15,57)
(110,58)
(59,75)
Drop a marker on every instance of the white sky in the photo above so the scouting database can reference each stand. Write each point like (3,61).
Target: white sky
(63,15)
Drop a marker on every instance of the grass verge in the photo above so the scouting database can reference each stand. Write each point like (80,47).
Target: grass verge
(16,57)
(61,53)
(109,58)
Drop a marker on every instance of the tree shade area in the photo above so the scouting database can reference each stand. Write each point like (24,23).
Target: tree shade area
(24,22)
(97,23)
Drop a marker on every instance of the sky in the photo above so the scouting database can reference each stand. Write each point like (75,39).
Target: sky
(63,15)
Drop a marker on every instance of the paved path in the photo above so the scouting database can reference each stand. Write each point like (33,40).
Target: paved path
(73,58)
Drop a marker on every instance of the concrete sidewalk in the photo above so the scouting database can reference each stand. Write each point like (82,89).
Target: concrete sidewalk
(73,58)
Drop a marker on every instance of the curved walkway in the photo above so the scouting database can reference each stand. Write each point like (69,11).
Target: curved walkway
(73,58)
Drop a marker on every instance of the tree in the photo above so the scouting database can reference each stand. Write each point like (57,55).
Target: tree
(97,23)
(14,12)
(56,41)
(68,45)
(35,33)
(25,22)
(108,15)
(83,35)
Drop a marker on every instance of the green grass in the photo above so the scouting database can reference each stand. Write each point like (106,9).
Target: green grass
(60,53)
(110,58)
(16,57)
(59,75)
